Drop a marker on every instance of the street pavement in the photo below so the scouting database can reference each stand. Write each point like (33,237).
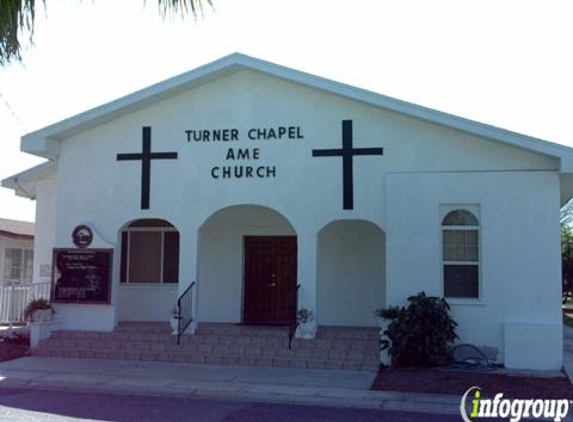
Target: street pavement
(18,405)
(244,383)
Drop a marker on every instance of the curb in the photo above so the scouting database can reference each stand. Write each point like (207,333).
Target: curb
(230,391)
(280,394)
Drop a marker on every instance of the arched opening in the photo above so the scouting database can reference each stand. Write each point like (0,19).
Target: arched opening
(351,273)
(247,266)
(149,270)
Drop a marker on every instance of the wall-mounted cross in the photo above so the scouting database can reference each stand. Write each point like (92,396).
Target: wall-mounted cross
(347,153)
(146,156)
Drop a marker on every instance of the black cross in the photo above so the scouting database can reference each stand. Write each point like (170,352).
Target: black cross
(146,156)
(347,153)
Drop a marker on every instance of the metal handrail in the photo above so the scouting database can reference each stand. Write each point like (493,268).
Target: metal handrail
(294,324)
(184,311)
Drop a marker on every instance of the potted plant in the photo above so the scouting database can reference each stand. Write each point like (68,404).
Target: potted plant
(304,317)
(385,318)
(174,321)
(38,310)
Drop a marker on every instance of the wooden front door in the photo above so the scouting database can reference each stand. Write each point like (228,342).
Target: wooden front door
(270,279)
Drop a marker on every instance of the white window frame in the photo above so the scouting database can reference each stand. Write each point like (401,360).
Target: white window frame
(130,230)
(475,211)
(23,273)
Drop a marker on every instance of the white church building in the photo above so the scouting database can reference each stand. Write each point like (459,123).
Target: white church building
(257,189)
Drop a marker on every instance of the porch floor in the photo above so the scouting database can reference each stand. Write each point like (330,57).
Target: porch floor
(351,348)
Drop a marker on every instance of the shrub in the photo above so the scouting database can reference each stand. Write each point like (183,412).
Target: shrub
(387,313)
(421,333)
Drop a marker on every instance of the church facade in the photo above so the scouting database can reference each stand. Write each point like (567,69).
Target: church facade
(262,189)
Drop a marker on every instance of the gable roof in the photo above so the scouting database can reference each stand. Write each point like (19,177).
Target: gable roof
(16,229)
(45,142)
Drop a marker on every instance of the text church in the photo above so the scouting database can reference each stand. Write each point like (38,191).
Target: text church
(235,194)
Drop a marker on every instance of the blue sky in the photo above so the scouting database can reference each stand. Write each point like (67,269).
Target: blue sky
(506,63)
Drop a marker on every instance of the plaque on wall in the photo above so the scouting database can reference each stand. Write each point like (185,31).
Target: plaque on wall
(82,275)
(82,236)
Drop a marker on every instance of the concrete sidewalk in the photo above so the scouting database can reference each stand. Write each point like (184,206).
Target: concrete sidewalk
(277,385)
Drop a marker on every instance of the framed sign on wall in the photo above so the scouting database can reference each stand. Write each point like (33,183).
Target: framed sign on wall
(82,275)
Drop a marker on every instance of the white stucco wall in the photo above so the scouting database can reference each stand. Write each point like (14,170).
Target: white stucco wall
(141,302)
(45,229)
(520,250)
(307,190)
(220,271)
(424,166)
(351,273)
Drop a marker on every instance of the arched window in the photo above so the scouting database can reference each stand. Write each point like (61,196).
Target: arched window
(149,252)
(460,254)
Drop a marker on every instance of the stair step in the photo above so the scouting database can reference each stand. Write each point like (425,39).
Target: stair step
(249,351)
(210,359)
(143,326)
(349,333)
(219,343)
(241,330)
(214,343)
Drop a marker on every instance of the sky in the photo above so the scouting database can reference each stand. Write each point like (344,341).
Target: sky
(504,62)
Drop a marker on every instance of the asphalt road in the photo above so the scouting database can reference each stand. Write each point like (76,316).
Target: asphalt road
(64,406)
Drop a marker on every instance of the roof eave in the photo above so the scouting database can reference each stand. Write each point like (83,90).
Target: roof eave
(24,183)
(45,142)
(41,146)
(16,236)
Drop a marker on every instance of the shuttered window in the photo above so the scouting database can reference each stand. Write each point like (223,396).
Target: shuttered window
(18,265)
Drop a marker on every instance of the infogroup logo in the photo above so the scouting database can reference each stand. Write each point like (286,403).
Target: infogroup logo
(474,406)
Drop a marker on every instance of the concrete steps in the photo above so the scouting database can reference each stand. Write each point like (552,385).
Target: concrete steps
(334,348)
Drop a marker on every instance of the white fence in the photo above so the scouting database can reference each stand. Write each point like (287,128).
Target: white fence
(15,298)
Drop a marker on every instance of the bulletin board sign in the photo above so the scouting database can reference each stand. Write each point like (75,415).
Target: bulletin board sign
(82,275)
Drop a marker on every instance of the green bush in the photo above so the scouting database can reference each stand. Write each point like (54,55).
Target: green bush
(421,333)
(388,313)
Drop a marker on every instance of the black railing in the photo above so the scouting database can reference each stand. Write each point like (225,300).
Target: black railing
(184,311)
(294,324)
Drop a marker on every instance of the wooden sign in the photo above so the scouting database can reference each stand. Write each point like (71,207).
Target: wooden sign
(82,275)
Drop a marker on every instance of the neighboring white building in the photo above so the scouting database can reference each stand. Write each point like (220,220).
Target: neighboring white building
(16,251)
(16,268)
(250,178)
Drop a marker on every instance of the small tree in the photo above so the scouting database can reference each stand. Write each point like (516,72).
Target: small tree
(567,260)
(421,333)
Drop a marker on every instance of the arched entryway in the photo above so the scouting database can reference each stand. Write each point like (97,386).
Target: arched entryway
(247,266)
(351,273)
(149,270)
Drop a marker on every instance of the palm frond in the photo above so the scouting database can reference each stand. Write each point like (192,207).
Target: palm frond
(183,7)
(16,19)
